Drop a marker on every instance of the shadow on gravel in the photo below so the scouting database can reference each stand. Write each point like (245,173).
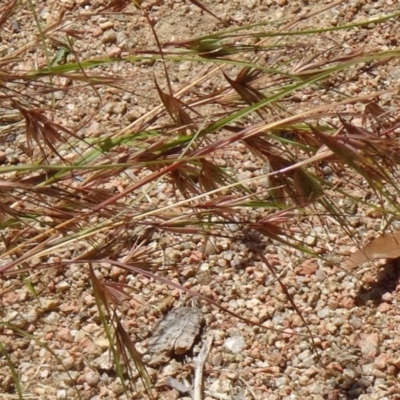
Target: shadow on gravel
(353,390)
(387,279)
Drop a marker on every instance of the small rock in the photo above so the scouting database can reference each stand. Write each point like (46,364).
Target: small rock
(221,386)
(102,342)
(114,51)
(384,307)
(79,336)
(63,286)
(97,32)
(250,4)
(49,304)
(228,255)
(252,303)
(121,37)
(107,25)
(311,240)
(108,107)
(189,272)
(52,318)
(104,362)
(68,362)
(117,388)
(16,319)
(66,378)
(120,107)
(59,95)
(23,294)
(216,360)
(109,37)
(222,263)
(395,362)
(235,344)
(95,100)
(209,248)
(249,166)
(388,297)
(62,394)
(369,345)
(64,335)
(32,315)
(395,73)
(381,361)
(355,322)
(92,378)
(308,267)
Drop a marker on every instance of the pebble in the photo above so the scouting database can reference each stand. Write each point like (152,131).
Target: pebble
(32,315)
(117,388)
(68,362)
(119,107)
(92,378)
(97,32)
(250,4)
(114,51)
(252,303)
(103,362)
(121,37)
(95,100)
(384,307)
(221,386)
(108,107)
(235,344)
(109,37)
(209,248)
(63,286)
(369,344)
(106,25)
(62,394)
(102,342)
(64,335)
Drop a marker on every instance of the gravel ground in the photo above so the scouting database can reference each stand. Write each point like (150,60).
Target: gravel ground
(353,318)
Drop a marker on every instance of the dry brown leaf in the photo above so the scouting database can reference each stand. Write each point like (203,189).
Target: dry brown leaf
(385,246)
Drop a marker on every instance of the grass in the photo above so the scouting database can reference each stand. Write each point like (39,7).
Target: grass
(60,197)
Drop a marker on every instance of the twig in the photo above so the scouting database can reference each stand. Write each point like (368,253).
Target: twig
(248,387)
(201,360)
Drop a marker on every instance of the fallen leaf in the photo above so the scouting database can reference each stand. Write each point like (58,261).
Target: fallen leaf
(385,246)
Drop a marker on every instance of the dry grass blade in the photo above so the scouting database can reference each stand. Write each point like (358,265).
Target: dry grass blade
(110,296)
(40,129)
(7,9)
(204,8)
(175,108)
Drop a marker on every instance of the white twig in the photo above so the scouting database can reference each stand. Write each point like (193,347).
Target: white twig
(248,388)
(201,360)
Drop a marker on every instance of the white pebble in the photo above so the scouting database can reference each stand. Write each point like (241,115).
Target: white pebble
(235,344)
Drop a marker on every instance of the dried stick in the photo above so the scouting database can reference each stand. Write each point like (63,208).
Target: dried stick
(201,360)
